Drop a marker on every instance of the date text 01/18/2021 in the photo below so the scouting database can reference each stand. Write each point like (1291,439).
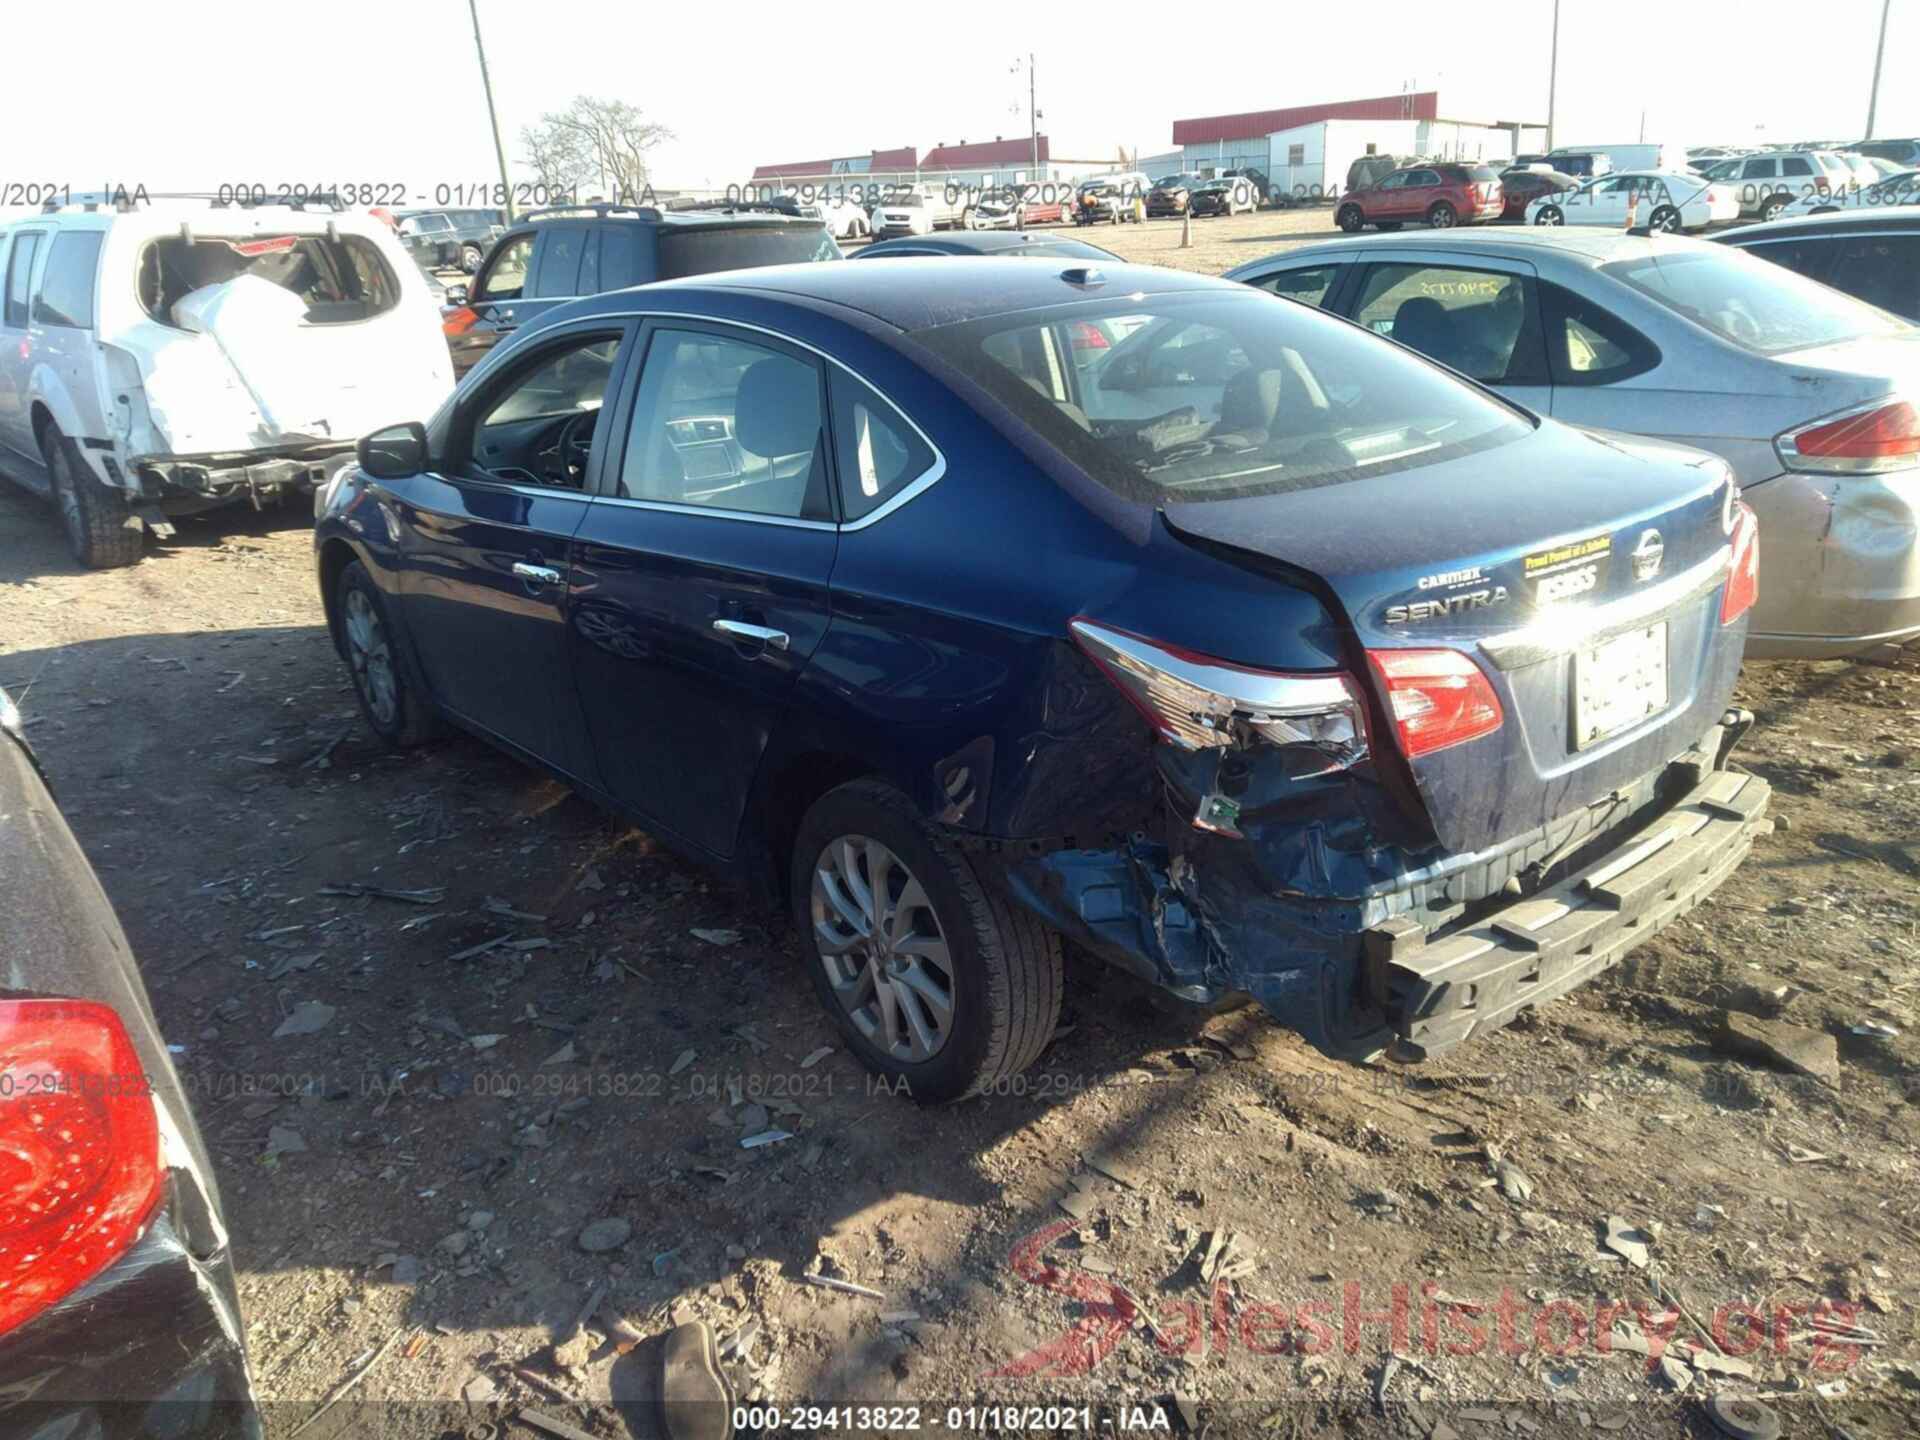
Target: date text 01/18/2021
(1126,1417)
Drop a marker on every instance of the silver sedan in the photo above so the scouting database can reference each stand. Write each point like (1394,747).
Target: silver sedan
(1810,397)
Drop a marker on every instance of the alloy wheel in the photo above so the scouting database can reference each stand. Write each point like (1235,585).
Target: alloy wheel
(371,657)
(885,955)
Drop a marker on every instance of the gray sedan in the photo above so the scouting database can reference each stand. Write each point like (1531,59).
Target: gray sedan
(1808,395)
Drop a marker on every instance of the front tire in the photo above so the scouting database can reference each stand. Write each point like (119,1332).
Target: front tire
(934,980)
(1351,218)
(1442,216)
(1551,215)
(102,532)
(391,696)
(470,258)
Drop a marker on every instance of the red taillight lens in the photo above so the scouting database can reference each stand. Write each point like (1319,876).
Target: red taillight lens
(1437,698)
(80,1170)
(458,322)
(1087,336)
(1872,441)
(1743,580)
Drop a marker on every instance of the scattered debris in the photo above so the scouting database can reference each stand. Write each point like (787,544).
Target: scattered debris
(695,1402)
(433,895)
(1115,1170)
(598,1236)
(484,1042)
(334,1395)
(1628,1243)
(1775,1042)
(681,1061)
(765,1137)
(1874,1030)
(284,1140)
(1223,1258)
(846,1286)
(814,1057)
(309,1017)
(560,1429)
(717,937)
(1743,1419)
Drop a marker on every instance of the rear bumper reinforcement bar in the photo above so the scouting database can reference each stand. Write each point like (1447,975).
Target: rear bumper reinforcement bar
(1446,990)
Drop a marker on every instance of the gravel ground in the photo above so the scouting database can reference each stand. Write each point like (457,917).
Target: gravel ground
(565,1025)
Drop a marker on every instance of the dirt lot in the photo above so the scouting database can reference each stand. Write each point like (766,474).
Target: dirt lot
(566,1025)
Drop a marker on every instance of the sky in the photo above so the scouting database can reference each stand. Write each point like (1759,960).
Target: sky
(195,94)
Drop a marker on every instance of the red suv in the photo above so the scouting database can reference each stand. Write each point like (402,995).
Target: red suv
(1443,195)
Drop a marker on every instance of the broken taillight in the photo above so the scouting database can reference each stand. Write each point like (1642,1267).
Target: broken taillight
(80,1170)
(1195,702)
(1870,440)
(1437,698)
(1743,578)
(458,322)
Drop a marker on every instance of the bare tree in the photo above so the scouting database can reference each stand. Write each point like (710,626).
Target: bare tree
(593,144)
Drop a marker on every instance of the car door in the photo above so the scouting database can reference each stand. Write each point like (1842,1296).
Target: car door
(1479,315)
(16,350)
(482,540)
(1580,205)
(1758,180)
(701,570)
(494,304)
(1421,190)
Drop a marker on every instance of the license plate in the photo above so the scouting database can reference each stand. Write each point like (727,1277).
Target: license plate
(1619,683)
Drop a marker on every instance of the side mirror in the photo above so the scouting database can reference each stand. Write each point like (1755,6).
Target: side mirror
(457,295)
(395,452)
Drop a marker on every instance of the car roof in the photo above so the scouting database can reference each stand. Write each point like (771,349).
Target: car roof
(1587,248)
(973,242)
(1904,217)
(916,292)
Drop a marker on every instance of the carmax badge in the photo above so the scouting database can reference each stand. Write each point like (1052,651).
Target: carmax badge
(1420,610)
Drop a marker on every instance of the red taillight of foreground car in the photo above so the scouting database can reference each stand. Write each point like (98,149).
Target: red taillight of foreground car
(1869,441)
(1087,336)
(80,1170)
(1743,579)
(458,322)
(1437,698)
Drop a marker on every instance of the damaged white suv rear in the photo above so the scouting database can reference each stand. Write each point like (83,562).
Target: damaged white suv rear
(163,360)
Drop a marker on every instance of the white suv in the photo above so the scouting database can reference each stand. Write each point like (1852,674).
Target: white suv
(1767,183)
(164,358)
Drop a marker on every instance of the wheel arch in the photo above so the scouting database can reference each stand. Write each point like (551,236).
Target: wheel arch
(790,785)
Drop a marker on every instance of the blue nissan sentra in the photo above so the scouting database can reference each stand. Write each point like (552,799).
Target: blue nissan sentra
(972,606)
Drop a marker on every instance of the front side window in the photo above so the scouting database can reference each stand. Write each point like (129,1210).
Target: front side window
(538,425)
(66,286)
(1757,306)
(1424,177)
(1760,170)
(1221,396)
(1309,284)
(506,277)
(26,243)
(1480,322)
(727,425)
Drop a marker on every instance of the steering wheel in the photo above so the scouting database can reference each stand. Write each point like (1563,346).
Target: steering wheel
(572,446)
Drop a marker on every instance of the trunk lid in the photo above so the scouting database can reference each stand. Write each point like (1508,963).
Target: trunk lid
(1528,565)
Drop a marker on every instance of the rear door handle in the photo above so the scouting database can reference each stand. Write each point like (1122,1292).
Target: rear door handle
(536,574)
(757,634)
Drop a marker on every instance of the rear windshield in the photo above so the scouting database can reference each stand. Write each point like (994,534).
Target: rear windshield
(1193,398)
(703,251)
(1483,172)
(1756,305)
(341,280)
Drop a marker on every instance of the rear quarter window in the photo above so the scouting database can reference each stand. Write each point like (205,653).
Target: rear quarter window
(66,284)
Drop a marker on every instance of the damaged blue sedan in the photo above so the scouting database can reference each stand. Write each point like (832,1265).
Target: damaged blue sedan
(971,607)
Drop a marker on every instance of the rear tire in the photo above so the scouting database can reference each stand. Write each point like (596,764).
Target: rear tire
(385,681)
(1666,220)
(1772,206)
(1001,979)
(1351,218)
(101,531)
(1442,216)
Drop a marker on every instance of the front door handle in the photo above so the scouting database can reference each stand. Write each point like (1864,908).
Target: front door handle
(536,574)
(756,634)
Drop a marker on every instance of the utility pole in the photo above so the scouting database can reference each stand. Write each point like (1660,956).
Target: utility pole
(1553,72)
(1879,54)
(493,118)
(1033,115)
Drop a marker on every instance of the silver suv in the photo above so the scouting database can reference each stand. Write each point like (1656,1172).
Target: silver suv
(1770,180)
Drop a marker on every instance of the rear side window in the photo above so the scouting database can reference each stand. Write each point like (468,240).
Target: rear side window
(557,267)
(878,453)
(1793,165)
(626,256)
(1882,270)
(1811,257)
(66,286)
(690,250)
(1481,322)
(19,267)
